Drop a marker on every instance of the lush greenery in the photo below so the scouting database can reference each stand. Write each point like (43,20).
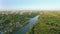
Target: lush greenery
(47,23)
(12,21)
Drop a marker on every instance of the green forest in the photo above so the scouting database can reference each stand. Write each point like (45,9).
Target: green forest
(10,22)
(47,23)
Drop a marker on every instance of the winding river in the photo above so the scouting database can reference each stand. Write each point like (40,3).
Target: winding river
(27,27)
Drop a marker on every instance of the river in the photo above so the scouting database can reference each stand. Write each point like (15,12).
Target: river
(26,28)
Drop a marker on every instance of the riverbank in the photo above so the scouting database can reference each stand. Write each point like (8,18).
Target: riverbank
(47,23)
(26,28)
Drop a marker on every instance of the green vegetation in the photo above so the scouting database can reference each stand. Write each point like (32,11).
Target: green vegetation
(47,23)
(10,21)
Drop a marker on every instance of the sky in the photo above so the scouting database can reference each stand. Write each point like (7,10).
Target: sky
(30,4)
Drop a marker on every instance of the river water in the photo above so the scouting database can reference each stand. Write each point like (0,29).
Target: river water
(26,28)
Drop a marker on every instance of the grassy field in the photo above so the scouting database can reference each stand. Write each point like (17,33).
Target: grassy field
(47,23)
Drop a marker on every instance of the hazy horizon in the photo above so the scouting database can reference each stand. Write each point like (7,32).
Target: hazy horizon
(29,5)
